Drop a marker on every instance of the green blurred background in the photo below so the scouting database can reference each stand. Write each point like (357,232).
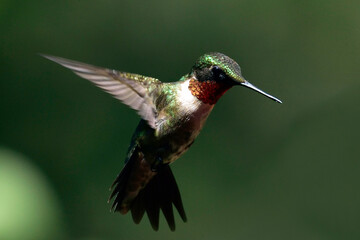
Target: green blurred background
(258,170)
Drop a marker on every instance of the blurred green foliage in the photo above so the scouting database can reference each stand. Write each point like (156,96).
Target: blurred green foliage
(259,170)
(29,209)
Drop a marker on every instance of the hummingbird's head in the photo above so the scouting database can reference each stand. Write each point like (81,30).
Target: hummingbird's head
(218,68)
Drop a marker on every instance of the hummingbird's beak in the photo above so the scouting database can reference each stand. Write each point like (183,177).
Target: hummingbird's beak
(249,85)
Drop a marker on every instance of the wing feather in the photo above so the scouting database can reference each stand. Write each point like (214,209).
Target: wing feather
(131,89)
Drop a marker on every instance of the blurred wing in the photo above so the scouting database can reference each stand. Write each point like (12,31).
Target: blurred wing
(130,89)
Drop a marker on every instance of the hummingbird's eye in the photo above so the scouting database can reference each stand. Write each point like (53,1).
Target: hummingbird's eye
(218,73)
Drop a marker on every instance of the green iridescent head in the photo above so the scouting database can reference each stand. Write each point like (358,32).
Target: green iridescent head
(218,67)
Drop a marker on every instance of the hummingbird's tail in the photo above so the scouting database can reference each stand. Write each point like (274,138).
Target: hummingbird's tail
(139,189)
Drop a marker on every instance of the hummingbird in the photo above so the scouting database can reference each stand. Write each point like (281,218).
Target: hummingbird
(173,113)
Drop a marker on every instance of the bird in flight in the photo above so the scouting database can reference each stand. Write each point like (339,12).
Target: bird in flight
(173,113)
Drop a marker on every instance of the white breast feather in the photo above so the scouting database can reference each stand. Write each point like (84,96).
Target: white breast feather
(190,104)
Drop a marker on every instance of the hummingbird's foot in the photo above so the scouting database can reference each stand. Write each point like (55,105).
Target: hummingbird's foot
(157,164)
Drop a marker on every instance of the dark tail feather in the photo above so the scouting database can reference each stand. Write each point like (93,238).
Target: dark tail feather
(138,209)
(172,190)
(160,193)
(120,186)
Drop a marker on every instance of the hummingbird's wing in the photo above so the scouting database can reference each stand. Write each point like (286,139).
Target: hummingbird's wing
(131,89)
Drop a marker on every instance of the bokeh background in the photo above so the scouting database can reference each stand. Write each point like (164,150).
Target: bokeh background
(258,170)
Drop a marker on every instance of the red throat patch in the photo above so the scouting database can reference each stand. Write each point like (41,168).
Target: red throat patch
(207,91)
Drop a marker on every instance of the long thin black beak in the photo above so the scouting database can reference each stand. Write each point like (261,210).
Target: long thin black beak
(249,85)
